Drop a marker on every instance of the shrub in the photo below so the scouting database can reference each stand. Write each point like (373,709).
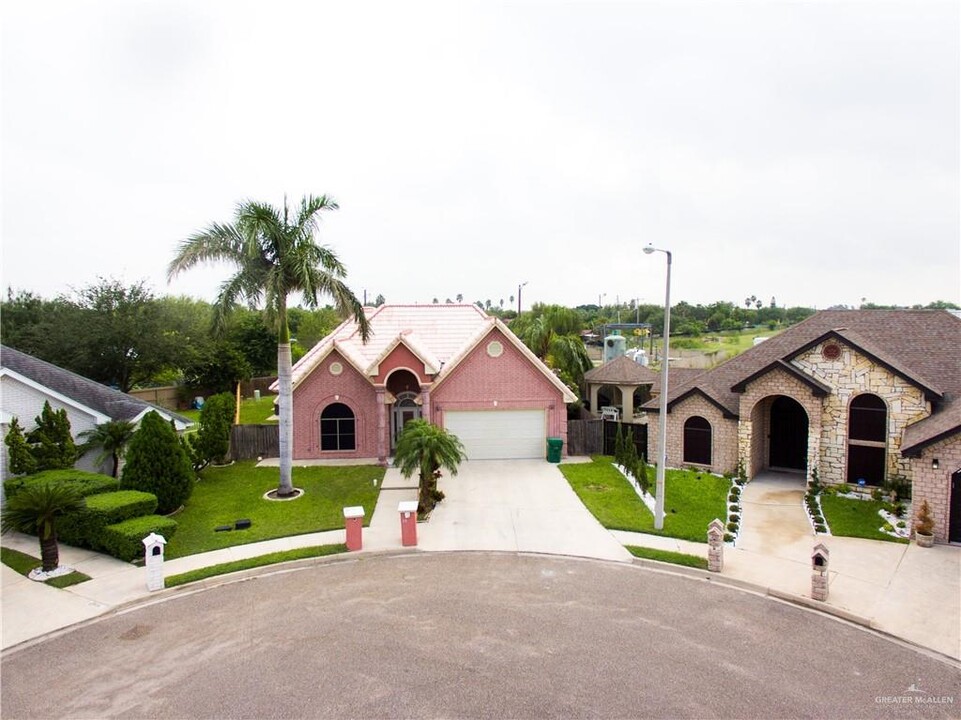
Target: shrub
(924,523)
(735,518)
(818,519)
(83,482)
(734,508)
(842,489)
(735,491)
(51,443)
(732,526)
(211,443)
(158,464)
(728,537)
(125,540)
(899,486)
(820,528)
(877,495)
(19,458)
(85,527)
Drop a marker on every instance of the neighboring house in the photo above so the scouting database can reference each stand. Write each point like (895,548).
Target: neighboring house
(855,394)
(450,364)
(27,382)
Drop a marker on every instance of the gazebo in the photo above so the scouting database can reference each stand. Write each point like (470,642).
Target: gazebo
(625,375)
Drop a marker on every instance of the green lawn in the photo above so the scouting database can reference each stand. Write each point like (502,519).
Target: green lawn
(254,562)
(224,495)
(668,556)
(23,564)
(692,499)
(855,518)
(252,412)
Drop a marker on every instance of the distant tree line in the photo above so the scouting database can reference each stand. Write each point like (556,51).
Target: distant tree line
(126,337)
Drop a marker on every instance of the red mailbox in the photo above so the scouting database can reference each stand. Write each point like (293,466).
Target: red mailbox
(354,521)
(408,522)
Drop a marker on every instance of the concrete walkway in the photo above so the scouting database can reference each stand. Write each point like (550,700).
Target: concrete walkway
(528,507)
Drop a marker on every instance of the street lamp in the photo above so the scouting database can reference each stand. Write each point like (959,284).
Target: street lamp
(519,288)
(662,425)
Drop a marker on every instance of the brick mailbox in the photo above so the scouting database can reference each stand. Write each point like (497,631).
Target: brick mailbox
(819,572)
(354,524)
(408,522)
(715,546)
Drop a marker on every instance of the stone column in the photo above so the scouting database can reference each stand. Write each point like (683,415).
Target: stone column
(715,546)
(627,403)
(594,409)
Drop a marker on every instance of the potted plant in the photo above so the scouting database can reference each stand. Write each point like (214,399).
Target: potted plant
(924,526)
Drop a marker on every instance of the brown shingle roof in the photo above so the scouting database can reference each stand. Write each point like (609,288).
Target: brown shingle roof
(918,345)
(621,371)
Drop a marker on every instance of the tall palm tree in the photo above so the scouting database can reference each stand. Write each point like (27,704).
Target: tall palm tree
(275,253)
(425,448)
(111,438)
(35,509)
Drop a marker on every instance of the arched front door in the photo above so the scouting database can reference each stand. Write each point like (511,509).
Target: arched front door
(789,434)
(404,410)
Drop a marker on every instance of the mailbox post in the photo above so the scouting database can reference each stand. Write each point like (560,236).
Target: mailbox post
(354,522)
(715,546)
(408,522)
(153,546)
(819,572)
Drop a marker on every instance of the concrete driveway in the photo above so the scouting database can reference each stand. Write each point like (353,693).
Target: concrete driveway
(515,506)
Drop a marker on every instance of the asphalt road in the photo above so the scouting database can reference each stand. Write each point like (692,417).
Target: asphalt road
(473,635)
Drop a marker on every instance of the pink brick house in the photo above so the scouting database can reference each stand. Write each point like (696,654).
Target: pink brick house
(856,395)
(450,364)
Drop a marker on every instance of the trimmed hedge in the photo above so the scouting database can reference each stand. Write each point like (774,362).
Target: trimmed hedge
(85,528)
(124,540)
(85,483)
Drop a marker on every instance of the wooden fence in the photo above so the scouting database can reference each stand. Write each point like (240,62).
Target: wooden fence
(249,442)
(597,437)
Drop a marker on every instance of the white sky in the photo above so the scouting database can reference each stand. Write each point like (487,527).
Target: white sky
(807,151)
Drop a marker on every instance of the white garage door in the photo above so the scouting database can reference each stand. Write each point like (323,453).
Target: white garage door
(500,434)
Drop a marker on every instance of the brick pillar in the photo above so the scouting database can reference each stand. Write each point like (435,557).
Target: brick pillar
(819,572)
(383,437)
(715,546)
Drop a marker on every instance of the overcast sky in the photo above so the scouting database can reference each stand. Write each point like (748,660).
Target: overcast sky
(805,151)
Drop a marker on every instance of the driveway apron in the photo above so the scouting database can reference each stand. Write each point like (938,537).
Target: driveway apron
(515,506)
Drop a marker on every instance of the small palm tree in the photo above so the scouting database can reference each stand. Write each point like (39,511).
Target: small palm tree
(35,509)
(111,438)
(425,449)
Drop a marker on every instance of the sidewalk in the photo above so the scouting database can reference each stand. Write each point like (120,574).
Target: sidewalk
(908,592)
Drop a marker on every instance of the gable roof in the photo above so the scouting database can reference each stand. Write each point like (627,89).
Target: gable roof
(102,402)
(439,335)
(920,346)
(622,371)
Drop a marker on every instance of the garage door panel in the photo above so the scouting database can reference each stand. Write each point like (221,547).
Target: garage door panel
(499,434)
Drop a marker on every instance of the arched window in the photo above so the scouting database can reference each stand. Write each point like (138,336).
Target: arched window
(697,441)
(337,428)
(867,439)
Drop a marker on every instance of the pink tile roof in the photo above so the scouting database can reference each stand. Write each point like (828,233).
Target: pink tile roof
(439,335)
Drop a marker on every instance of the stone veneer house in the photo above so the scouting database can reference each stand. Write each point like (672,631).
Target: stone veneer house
(853,394)
(450,364)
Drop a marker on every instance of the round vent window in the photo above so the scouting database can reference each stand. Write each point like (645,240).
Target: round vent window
(336,368)
(495,349)
(831,351)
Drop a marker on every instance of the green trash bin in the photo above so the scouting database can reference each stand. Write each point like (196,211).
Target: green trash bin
(554,446)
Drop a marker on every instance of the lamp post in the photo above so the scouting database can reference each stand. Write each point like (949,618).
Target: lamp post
(662,424)
(519,288)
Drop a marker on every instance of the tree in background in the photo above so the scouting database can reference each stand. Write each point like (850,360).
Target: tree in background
(553,333)
(35,509)
(425,449)
(275,254)
(51,442)
(111,438)
(157,463)
(20,460)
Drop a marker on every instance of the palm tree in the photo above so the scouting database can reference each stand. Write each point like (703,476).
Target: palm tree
(425,448)
(111,438)
(34,509)
(275,254)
